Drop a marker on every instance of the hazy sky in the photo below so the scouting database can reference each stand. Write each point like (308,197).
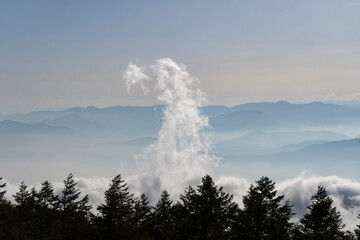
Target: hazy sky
(57,54)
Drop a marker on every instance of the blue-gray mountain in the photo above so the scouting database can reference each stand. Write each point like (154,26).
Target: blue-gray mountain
(291,137)
(252,116)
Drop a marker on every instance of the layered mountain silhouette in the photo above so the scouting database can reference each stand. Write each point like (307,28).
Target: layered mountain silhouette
(247,137)
(245,117)
(8,127)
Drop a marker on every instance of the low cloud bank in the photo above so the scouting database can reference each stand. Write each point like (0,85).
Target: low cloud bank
(344,192)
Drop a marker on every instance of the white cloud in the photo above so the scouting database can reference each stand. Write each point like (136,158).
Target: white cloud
(180,156)
(234,185)
(135,75)
(344,192)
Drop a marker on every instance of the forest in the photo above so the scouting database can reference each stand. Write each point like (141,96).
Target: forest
(202,212)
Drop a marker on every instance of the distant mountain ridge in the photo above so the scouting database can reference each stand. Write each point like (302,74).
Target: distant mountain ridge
(315,113)
(275,141)
(253,137)
(147,120)
(14,127)
(328,151)
(243,120)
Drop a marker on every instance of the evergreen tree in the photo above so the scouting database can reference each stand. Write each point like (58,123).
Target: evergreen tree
(46,196)
(34,226)
(115,213)
(22,196)
(47,211)
(210,210)
(75,212)
(357,230)
(263,216)
(163,220)
(2,192)
(69,201)
(141,217)
(23,211)
(184,214)
(5,213)
(323,221)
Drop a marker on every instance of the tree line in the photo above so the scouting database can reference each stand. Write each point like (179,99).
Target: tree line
(204,212)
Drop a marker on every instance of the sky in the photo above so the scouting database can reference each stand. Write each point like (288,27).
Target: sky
(60,54)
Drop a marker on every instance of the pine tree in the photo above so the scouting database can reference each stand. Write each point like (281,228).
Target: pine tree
(184,211)
(141,217)
(115,213)
(263,216)
(2,192)
(357,230)
(214,209)
(75,212)
(47,211)
(23,195)
(210,210)
(5,213)
(323,221)
(23,211)
(33,225)
(46,196)
(163,219)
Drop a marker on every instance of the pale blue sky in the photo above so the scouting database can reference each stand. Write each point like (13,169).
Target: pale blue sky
(57,54)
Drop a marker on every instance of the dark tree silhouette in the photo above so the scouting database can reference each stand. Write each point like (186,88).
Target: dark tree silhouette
(322,221)
(163,219)
(209,210)
(357,230)
(75,212)
(23,211)
(2,191)
(204,212)
(6,216)
(47,204)
(141,217)
(264,216)
(116,212)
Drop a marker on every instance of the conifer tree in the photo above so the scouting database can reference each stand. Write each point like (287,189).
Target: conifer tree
(141,217)
(5,212)
(357,230)
(115,213)
(22,196)
(184,214)
(163,220)
(75,212)
(46,196)
(210,210)
(2,192)
(323,221)
(23,211)
(215,208)
(263,216)
(47,211)
(69,200)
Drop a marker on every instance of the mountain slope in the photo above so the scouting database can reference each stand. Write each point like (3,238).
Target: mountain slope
(14,127)
(315,113)
(243,120)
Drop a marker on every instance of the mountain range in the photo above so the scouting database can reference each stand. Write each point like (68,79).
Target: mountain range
(265,138)
(244,117)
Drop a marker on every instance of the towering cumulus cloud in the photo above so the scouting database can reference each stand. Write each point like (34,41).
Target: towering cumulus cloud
(180,156)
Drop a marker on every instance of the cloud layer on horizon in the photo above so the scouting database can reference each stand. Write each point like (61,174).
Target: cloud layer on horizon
(344,192)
